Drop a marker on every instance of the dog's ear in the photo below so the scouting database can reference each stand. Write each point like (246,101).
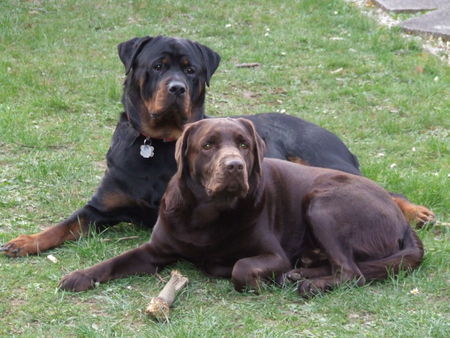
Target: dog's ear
(259,144)
(210,58)
(129,50)
(173,198)
(181,149)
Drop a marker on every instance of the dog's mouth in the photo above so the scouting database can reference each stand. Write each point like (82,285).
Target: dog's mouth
(171,110)
(228,189)
(156,116)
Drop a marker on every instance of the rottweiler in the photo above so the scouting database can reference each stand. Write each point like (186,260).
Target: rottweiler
(164,89)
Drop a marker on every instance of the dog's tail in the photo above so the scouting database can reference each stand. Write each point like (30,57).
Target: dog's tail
(408,258)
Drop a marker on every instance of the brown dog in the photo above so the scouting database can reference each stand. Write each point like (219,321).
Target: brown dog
(236,215)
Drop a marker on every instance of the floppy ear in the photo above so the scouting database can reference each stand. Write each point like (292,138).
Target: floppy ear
(259,144)
(210,58)
(129,50)
(173,197)
(181,149)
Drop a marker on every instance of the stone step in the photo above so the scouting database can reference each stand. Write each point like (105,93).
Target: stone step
(405,6)
(436,23)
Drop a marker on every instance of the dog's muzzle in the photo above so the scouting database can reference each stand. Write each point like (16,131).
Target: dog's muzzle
(229,177)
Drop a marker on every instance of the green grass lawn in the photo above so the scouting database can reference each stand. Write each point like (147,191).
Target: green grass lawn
(60,88)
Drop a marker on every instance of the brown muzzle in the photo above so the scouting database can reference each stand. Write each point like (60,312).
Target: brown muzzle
(228,175)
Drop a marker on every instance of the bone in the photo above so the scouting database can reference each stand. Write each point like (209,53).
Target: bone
(159,307)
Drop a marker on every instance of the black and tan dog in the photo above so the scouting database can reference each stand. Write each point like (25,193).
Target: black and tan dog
(238,216)
(163,90)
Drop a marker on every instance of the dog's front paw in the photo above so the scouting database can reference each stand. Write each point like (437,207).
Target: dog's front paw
(76,281)
(21,246)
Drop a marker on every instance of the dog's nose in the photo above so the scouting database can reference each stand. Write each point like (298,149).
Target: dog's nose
(177,88)
(234,165)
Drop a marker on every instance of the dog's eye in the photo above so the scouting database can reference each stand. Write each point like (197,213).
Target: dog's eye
(207,146)
(243,145)
(189,70)
(157,66)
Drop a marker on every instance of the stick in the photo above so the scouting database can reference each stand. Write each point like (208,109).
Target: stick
(159,306)
(248,65)
(119,239)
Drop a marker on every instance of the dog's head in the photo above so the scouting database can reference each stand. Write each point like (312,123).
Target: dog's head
(165,83)
(222,155)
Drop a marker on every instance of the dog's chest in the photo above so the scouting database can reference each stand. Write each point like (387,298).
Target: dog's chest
(142,178)
(207,250)
(216,238)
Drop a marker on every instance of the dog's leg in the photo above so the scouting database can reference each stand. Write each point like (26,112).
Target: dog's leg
(248,272)
(414,214)
(301,273)
(339,275)
(340,256)
(319,279)
(105,209)
(144,260)
(69,229)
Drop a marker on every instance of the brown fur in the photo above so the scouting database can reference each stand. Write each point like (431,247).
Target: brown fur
(297,160)
(414,213)
(264,216)
(49,238)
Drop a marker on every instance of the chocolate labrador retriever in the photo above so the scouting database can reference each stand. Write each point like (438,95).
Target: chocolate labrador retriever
(238,216)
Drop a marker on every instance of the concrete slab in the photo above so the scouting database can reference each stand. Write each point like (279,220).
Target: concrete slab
(404,6)
(436,23)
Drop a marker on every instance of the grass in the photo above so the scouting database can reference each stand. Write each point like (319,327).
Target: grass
(320,60)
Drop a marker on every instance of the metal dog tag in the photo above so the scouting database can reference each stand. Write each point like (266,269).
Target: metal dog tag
(147,150)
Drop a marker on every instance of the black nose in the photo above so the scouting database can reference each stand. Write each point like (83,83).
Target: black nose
(234,165)
(177,88)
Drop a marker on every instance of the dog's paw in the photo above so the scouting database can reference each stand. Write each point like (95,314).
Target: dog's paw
(415,214)
(294,275)
(423,215)
(309,288)
(21,246)
(76,281)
